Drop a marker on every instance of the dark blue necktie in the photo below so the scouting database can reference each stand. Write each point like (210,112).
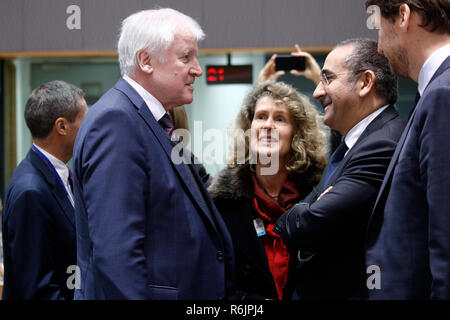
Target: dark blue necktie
(166,124)
(336,158)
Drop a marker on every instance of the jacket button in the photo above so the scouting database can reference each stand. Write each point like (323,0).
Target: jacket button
(220,256)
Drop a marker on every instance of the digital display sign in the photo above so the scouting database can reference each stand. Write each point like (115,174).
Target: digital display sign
(225,74)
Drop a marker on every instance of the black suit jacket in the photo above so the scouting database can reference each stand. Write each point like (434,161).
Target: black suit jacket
(334,226)
(38,234)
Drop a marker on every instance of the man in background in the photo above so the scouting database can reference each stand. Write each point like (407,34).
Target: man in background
(408,241)
(38,220)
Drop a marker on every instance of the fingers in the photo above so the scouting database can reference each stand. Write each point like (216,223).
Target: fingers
(278,74)
(268,71)
(298,73)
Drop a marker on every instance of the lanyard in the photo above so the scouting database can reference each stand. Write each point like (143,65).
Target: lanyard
(51,167)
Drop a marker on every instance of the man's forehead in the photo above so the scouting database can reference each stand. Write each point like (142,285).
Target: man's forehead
(335,59)
(185,40)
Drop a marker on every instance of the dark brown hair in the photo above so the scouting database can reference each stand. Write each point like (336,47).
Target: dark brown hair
(435,13)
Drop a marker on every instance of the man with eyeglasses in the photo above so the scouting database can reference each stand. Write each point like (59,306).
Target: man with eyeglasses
(326,230)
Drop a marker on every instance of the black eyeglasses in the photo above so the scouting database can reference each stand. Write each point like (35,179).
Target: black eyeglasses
(326,79)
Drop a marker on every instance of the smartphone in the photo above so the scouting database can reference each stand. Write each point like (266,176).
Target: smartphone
(288,62)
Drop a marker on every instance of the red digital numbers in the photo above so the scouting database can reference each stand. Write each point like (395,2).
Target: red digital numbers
(216,74)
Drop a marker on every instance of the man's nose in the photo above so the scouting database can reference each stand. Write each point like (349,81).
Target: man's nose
(319,92)
(196,69)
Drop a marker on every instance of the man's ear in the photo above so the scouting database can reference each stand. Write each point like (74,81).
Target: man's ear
(61,126)
(144,61)
(404,16)
(366,83)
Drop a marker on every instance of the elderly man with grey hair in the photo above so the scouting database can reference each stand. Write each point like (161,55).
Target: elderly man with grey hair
(146,226)
(38,220)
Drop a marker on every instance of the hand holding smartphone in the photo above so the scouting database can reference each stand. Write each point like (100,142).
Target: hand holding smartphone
(288,62)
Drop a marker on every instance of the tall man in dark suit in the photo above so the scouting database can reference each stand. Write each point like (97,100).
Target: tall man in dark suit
(408,241)
(38,217)
(146,226)
(357,90)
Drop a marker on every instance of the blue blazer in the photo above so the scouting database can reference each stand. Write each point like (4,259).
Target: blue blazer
(409,232)
(334,226)
(38,233)
(143,230)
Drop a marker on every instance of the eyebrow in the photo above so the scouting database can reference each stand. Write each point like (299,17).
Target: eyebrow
(327,72)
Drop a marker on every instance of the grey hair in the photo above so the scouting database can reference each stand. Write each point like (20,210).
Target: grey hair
(364,57)
(49,102)
(154,31)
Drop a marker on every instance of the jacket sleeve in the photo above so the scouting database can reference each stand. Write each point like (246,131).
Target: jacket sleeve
(30,261)
(114,176)
(311,226)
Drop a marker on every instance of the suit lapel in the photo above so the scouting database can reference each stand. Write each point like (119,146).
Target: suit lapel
(57,189)
(161,136)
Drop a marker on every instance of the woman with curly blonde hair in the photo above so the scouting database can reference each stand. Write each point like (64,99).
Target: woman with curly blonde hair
(272,169)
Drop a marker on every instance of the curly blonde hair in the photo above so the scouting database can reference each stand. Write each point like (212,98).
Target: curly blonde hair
(309,145)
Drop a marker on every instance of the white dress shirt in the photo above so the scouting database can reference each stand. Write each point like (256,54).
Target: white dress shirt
(355,132)
(156,108)
(430,66)
(62,170)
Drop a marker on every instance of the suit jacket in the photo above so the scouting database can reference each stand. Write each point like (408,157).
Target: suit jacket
(38,233)
(143,229)
(232,192)
(409,231)
(334,226)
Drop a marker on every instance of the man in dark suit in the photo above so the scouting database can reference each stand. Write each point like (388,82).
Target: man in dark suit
(146,226)
(408,240)
(357,90)
(38,217)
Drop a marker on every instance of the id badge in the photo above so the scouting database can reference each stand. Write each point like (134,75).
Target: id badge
(259,227)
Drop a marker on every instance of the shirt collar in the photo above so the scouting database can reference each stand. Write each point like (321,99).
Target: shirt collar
(355,132)
(156,108)
(430,66)
(60,167)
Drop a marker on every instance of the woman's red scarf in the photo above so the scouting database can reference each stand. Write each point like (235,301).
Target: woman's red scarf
(270,209)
